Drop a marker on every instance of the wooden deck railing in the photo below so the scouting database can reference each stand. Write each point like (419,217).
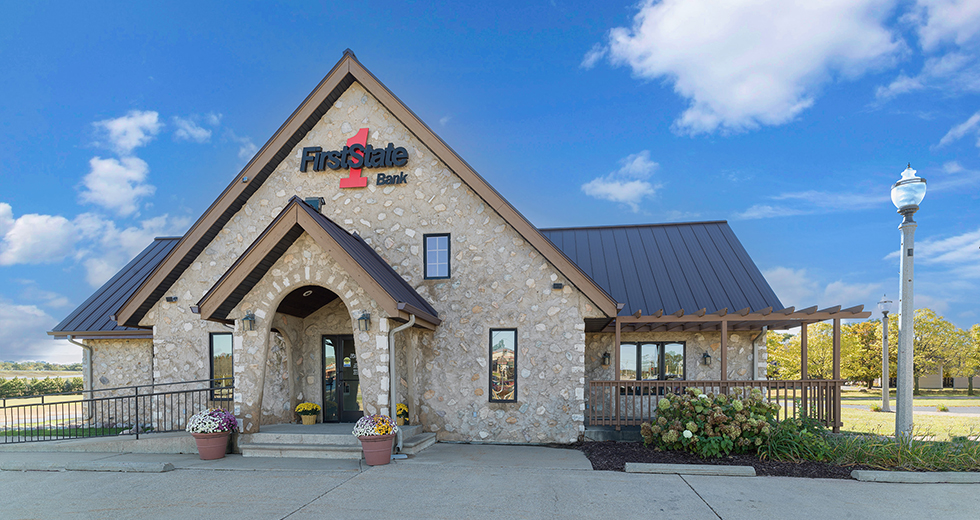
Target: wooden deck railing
(629,403)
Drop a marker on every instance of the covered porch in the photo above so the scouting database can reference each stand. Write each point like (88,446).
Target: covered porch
(621,403)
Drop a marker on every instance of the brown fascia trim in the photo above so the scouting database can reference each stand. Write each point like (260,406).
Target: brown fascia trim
(291,216)
(102,334)
(348,64)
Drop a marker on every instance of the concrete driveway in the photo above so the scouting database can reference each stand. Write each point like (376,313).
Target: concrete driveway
(450,481)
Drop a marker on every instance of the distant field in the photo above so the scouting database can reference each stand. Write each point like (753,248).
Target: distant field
(40,374)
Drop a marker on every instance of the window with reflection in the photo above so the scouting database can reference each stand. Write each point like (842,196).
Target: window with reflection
(662,361)
(222,368)
(503,365)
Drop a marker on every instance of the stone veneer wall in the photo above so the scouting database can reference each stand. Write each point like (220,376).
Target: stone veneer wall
(120,362)
(497,280)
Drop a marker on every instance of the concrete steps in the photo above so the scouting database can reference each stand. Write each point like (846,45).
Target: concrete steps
(321,442)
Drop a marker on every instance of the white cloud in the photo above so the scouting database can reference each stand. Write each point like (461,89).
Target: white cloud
(188,130)
(444,120)
(971,125)
(596,53)
(131,131)
(109,248)
(629,184)
(956,251)
(813,202)
(949,21)
(795,288)
(33,238)
(246,148)
(212,119)
(23,336)
(753,62)
(117,184)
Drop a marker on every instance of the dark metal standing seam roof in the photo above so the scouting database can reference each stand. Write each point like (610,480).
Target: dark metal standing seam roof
(95,315)
(669,267)
(360,251)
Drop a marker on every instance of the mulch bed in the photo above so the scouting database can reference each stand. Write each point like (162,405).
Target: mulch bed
(613,456)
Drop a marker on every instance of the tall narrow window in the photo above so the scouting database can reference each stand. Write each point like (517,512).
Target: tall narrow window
(436,255)
(222,368)
(503,365)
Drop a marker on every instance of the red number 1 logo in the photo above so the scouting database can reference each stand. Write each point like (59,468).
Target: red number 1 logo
(354,180)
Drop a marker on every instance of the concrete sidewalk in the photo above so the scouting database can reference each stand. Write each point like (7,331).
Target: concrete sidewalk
(447,481)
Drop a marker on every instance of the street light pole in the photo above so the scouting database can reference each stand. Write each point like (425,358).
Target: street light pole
(907,193)
(885,305)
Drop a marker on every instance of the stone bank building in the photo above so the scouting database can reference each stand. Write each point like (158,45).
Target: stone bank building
(357,261)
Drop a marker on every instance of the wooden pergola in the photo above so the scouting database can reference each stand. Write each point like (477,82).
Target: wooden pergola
(628,403)
(743,320)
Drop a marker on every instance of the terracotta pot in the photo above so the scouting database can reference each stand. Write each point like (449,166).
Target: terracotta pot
(377,448)
(212,446)
(308,419)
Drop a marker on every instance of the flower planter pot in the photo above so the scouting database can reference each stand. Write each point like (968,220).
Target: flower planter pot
(377,448)
(212,446)
(308,419)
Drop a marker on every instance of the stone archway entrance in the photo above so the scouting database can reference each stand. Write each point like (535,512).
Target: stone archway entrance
(317,325)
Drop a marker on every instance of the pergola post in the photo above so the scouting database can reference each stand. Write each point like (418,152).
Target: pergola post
(837,421)
(615,388)
(724,350)
(805,389)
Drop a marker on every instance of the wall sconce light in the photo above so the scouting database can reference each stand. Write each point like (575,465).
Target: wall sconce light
(706,359)
(171,299)
(364,322)
(605,360)
(249,321)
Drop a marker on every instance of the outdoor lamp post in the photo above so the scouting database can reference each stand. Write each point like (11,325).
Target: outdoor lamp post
(885,306)
(907,194)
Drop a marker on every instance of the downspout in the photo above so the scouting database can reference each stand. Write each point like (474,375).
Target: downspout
(88,366)
(392,400)
(755,353)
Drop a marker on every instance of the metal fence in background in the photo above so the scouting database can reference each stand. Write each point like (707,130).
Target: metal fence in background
(130,410)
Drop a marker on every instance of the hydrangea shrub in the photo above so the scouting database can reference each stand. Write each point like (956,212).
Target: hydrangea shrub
(710,425)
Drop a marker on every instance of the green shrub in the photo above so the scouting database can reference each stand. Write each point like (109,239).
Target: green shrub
(795,440)
(942,408)
(710,425)
(875,408)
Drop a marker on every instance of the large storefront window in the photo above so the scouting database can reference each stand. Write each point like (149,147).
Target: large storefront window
(651,361)
(503,365)
(222,368)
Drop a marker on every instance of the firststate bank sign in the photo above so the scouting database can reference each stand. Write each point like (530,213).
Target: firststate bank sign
(356,156)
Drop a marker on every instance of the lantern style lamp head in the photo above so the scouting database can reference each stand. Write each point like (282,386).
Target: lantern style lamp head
(885,305)
(364,322)
(706,359)
(605,360)
(908,193)
(248,322)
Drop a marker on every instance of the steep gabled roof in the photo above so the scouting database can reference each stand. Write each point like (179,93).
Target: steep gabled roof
(378,279)
(669,267)
(94,317)
(346,72)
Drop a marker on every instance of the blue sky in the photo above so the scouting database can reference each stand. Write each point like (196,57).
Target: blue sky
(790,120)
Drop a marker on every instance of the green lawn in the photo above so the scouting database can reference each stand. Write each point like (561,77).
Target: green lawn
(940,427)
(931,402)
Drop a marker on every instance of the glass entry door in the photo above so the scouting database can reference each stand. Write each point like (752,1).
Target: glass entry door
(341,391)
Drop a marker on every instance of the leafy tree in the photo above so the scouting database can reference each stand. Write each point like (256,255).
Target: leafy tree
(862,342)
(934,342)
(785,352)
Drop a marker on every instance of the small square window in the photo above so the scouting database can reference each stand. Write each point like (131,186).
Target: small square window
(436,256)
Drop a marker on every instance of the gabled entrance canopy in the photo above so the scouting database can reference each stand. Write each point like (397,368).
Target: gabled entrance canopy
(382,283)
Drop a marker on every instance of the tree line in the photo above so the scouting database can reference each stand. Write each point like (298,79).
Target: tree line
(18,387)
(938,345)
(40,365)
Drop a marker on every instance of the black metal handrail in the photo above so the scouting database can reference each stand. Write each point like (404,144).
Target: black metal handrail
(128,410)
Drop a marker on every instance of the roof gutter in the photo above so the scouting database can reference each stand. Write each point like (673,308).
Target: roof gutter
(87,368)
(392,395)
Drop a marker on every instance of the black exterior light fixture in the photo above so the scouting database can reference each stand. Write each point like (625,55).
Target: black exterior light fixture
(605,360)
(706,359)
(248,321)
(364,322)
